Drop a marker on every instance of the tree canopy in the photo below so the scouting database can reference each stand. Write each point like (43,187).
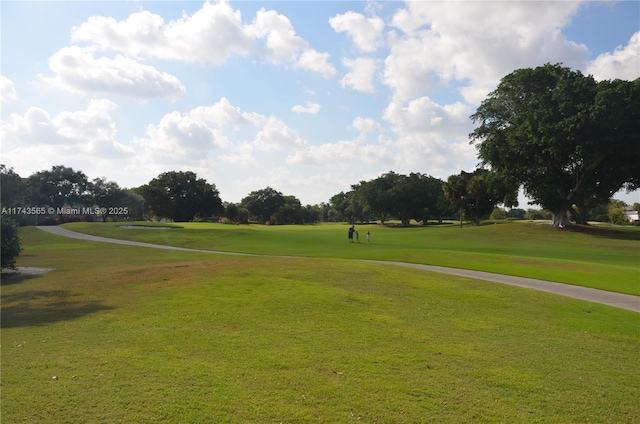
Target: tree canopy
(414,196)
(263,203)
(477,193)
(568,140)
(181,196)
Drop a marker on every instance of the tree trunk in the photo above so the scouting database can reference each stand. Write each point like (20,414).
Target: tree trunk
(560,219)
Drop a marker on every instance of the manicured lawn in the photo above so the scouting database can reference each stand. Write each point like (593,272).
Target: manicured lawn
(141,335)
(600,258)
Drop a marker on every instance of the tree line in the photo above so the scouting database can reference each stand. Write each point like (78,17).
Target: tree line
(63,194)
(570,142)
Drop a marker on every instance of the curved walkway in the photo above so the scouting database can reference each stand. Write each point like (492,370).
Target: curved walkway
(618,300)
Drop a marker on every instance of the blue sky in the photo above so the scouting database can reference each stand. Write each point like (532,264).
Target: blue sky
(306,97)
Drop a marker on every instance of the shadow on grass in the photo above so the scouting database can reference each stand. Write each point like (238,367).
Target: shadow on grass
(38,307)
(604,232)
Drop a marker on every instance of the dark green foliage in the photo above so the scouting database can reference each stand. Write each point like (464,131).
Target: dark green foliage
(477,193)
(567,139)
(12,193)
(181,196)
(61,186)
(11,245)
(263,203)
(414,196)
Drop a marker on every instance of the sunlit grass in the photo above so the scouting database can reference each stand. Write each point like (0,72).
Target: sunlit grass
(141,335)
(600,258)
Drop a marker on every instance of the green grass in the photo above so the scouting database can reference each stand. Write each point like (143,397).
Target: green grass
(601,258)
(140,335)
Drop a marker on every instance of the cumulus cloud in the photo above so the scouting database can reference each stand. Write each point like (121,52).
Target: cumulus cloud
(280,40)
(276,135)
(430,136)
(365,32)
(315,61)
(183,136)
(211,35)
(310,108)
(193,137)
(622,63)
(477,44)
(360,78)
(337,154)
(77,70)
(91,131)
(7,90)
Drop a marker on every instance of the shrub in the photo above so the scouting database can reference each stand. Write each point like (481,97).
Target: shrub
(10,243)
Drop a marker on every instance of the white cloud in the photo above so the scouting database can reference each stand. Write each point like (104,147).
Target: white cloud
(84,135)
(281,41)
(623,63)
(344,152)
(315,61)
(276,135)
(476,44)
(365,32)
(76,70)
(311,108)
(430,137)
(7,90)
(182,136)
(211,35)
(360,78)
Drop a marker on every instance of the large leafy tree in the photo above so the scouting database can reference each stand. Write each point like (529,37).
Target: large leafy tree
(106,194)
(263,203)
(413,196)
(61,186)
(568,140)
(379,195)
(181,196)
(347,207)
(476,193)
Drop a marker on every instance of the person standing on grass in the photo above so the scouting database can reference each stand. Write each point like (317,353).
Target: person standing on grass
(368,237)
(351,231)
(357,237)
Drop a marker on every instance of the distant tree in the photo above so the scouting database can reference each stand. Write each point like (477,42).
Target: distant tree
(339,207)
(133,202)
(313,213)
(61,186)
(517,213)
(537,214)
(181,196)
(568,139)
(617,213)
(235,213)
(378,194)
(499,213)
(290,212)
(11,245)
(476,193)
(11,188)
(263,203)
(107,195)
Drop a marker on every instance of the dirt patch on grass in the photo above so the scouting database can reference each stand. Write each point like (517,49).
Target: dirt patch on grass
(25,270)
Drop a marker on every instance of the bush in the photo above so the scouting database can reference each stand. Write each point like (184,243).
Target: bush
(498,213)
(10,243)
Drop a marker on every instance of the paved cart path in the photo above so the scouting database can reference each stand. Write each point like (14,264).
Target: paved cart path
(619,300)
